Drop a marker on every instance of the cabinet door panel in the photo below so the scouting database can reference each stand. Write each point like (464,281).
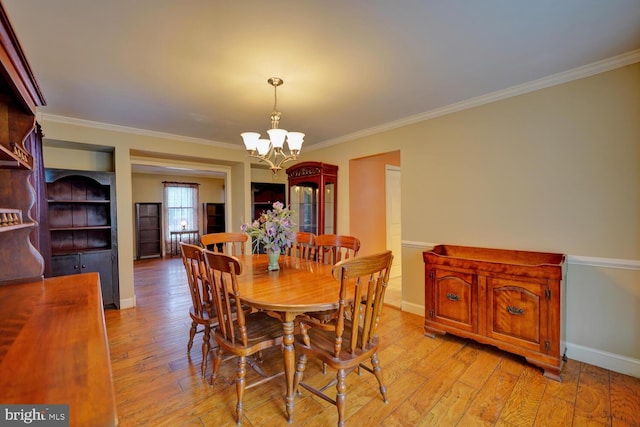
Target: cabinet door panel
(517,310)
(100,262)
(63,265)
(454,298)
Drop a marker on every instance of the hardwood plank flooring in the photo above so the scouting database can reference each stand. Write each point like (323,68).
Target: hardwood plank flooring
(447,381)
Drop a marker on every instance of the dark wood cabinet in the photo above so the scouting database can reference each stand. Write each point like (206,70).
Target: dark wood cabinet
(513,300)
(213,218)
(264,195)
(313,196)
(84,262)
(82,223)
(148,230)
(19,97)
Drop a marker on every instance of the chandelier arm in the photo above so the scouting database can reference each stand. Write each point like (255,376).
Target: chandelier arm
(264,159)
(287,159)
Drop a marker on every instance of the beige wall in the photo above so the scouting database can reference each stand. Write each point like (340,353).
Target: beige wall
(63,158)
(148,187)
(556,170)
(552,170)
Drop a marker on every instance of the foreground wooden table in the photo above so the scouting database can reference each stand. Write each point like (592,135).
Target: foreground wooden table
(300,286)
(54,350)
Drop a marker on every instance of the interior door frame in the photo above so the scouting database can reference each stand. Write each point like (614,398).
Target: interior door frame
(391,193)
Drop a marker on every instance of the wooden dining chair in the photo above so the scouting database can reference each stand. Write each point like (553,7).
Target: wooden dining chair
(330,249)
(349,340)
(333,248)
(304,246)
(202,311)
(239,333)
(228,243)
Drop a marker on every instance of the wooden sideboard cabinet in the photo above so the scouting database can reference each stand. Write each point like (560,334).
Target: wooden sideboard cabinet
(54,349)
(513,300)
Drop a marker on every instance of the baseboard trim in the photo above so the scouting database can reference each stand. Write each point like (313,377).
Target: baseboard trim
(603,359)
(412,308)
(613,362)
(127,303)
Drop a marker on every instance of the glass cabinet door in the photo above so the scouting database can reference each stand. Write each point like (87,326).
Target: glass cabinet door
(304,204)
(329,208)
(312,196)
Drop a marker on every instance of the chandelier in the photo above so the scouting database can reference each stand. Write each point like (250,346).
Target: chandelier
(271,151)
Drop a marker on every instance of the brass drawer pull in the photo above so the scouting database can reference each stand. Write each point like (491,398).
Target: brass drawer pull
(515,310)
(452,297)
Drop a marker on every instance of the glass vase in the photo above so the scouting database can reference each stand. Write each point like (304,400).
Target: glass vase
(273,261)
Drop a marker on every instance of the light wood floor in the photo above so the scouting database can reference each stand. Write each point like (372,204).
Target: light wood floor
(445,381)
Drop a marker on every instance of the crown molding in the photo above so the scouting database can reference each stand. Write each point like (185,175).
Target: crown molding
(545,82)
(135,131)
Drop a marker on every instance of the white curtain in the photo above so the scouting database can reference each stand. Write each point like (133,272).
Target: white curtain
(181,201)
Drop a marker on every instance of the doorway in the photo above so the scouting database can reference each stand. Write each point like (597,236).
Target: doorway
(369,208)
(394,218)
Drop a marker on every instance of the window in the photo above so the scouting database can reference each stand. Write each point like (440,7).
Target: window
(181,208)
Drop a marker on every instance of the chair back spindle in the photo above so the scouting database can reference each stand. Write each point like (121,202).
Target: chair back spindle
(226,298)
(333,248)
(304,247)
(227,243)
(370,276)
(198,286)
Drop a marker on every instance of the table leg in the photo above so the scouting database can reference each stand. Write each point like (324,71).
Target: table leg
(289,357)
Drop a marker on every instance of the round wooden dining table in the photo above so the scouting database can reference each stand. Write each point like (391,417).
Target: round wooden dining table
(300,286)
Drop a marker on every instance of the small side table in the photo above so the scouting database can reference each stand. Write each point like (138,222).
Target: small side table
(187,236)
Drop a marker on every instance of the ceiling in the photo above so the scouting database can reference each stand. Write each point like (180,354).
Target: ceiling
(199,68)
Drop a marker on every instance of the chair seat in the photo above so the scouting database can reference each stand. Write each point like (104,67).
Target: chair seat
(323,343)
(261,328)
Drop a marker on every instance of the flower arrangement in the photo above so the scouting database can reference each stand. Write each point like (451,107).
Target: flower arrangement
(274,229)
